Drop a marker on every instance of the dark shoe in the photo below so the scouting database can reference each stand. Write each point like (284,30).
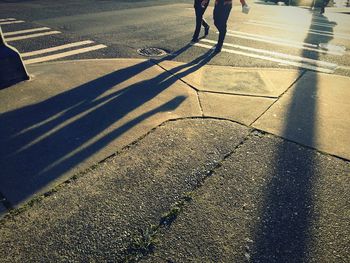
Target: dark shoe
(218,48)
(206,30)
(195,40)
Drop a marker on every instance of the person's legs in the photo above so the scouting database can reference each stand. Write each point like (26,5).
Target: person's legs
(200,10)
(206,27)
(199,18)
(221,15)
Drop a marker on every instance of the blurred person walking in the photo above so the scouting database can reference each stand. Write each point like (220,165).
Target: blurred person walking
(221,14)
(200,6)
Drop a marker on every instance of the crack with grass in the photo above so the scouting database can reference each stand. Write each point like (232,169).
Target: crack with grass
(144,242)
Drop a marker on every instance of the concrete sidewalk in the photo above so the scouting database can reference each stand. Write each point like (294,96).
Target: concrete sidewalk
(128,157)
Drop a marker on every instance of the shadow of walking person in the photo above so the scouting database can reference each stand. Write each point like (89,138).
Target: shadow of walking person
(58,134)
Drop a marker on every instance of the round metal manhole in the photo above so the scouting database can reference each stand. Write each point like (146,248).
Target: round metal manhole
(151,52)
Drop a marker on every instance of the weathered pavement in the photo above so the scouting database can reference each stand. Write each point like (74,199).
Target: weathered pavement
(130,163)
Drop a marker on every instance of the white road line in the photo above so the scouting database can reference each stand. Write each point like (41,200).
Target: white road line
(7,19)
(305,24)
(64,54)
(292,63)
(323,25)
(282,42)
(26,31)
(32,35)
(310,31)
(275,39)
(11,22)
(308,20)
(280,55)
(344,67)
(52,49)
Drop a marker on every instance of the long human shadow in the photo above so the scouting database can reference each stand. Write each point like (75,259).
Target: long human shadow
(43,141)
(283,233)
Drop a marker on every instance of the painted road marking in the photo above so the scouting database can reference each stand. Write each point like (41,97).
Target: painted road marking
(11,22)
(52,49)
(307,19)
(32,35)
(277,60)
(280,55)
(7,19)
(302,23)
(26,31)
(276,39)
(282,42)
(310,31)
(64,54)
(344,67)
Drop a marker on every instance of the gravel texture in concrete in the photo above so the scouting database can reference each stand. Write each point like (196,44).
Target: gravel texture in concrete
(97,216)
(270,201)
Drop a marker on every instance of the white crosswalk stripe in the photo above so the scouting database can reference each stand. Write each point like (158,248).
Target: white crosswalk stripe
(299,62)
(13,33)
(282,42)
(298,29)
(7,19)
(294,29)
(49,53)
(11,22)
(64,54)
(53,49)
(32,36)
(305,22)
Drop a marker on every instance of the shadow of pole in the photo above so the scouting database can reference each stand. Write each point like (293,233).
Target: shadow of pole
(45,145)
(283,233)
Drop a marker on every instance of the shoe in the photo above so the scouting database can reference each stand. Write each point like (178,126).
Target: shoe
(195,40)
(206,30)
(218,48)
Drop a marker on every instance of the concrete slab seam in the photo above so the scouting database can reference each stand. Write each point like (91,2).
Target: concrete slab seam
(180,79)
(200,103)
(13,211)
(142,245)
(174,75)
(301,144)
(236,94)
(139,250)
(215,92)
(287,89)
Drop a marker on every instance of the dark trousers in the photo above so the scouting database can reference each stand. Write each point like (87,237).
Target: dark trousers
(199,10)
(221,14)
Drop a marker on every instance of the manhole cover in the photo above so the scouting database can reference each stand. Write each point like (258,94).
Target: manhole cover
(151,52)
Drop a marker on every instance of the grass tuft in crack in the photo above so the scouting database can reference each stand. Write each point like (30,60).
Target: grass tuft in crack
(144,242)
(168,218)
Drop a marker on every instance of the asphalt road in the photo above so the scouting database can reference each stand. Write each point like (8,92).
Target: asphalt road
(269,36)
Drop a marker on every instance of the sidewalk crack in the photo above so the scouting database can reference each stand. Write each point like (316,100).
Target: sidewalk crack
(144,243)
(273,103)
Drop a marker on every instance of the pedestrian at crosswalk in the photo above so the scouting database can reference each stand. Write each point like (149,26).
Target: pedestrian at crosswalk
(221,14)
(200,6)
